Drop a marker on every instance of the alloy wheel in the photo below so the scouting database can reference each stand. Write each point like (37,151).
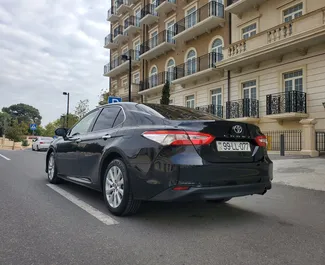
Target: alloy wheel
(50,169)
(114,186)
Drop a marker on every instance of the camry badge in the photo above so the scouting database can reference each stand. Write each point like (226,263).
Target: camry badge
(237,129)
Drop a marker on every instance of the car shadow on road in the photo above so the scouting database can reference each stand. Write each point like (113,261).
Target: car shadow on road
(167,213)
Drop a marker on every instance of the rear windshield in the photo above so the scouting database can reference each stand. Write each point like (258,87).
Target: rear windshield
(46,138)
(175,112)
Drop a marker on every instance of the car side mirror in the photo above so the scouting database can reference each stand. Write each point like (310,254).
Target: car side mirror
(61,132)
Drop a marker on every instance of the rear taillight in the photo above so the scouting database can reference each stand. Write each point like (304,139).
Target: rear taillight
(179,137)
(41,142)
(261,140)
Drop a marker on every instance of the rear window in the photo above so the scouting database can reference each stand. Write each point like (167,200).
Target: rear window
(172,112)
(46,138)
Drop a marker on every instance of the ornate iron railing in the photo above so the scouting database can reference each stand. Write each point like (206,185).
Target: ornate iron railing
(292,101)
(198,64)
(212,109)
(161,37)
(210,9)
(111,11)
(242,108)
(155,80)
(134,54)
(149,9)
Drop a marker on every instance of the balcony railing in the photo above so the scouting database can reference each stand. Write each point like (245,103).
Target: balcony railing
(211,9)
(155,80)
(118,31)
(131,21)
(122,5)
(149,9)
(242,108)
(121,60)
(292,101)
(161,37)
(112,14)
(212,109)
(198,64)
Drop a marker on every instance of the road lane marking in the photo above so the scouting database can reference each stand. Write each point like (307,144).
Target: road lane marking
(85,206)
(8,159)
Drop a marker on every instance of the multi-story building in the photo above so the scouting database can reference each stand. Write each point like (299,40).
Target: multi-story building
(257,61)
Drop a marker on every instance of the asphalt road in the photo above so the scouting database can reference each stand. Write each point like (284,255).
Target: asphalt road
(40,226)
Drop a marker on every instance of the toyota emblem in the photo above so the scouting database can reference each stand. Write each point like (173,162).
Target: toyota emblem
(237,129)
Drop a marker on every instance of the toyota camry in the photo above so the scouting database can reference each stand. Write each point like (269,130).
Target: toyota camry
(149,152)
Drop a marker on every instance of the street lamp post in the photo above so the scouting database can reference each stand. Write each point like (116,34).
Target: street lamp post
(125,58)
(68,102)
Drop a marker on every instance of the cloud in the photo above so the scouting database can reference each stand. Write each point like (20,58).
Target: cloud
(48,47)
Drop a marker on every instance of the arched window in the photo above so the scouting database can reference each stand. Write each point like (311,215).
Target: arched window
(170,70)
(216,50)
(153,79)
(191,62)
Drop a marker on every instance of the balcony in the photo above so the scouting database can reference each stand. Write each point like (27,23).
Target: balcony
(290,105)
(131,25)
(158,45)
(295,36)
(238,7)
(123,6)
(154,83)
(197,68)
(243,110)
(120,65)
(124,92)
(112,16)
(148,15)
(119,37)
(109,44)
(216,110)
(165,6)
(204,19)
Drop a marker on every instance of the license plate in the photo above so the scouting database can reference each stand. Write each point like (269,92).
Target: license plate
(233,146)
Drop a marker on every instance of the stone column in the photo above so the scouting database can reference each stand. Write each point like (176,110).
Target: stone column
(309,137)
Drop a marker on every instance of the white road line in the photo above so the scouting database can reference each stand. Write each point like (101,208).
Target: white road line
(8,159)
(88,208)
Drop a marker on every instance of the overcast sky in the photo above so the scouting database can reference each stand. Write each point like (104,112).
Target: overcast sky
(51,46)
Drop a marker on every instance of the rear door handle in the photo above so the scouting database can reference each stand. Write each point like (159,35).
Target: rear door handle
(105,137)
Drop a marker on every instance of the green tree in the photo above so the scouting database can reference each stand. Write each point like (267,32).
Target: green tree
(15,132)
(82,108)
(24,113)
(72,120)
(165,94)
(104,97)
(5,120)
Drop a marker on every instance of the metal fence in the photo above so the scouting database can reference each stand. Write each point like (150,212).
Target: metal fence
(292,140)
(320,141)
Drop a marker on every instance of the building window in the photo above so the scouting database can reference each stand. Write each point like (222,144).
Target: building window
(153,42)
(137,15)
(170,32)
(249,89)
(292,12)
(153,79)
(293,81)
(216,100)
(136,46)
(249,31)
(170,70)
(125,50)
(136,78)
(125,84)
(190,19)
(216,50)
(191,62)
(190,101)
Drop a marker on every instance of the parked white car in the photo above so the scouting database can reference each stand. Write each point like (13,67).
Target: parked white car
(41,143)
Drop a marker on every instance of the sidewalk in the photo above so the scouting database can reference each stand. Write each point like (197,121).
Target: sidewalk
(306,173)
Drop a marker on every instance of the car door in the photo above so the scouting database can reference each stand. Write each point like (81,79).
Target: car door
(67,153)
(103,133)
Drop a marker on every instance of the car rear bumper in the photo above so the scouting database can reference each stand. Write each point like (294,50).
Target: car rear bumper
(44,146)
(212,193)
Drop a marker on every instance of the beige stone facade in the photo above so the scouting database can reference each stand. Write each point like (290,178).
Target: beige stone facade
(257,61)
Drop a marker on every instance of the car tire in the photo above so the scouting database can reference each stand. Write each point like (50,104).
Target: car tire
(37,148)
(219,200)
(52,173)
(117,190)
(33,148)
